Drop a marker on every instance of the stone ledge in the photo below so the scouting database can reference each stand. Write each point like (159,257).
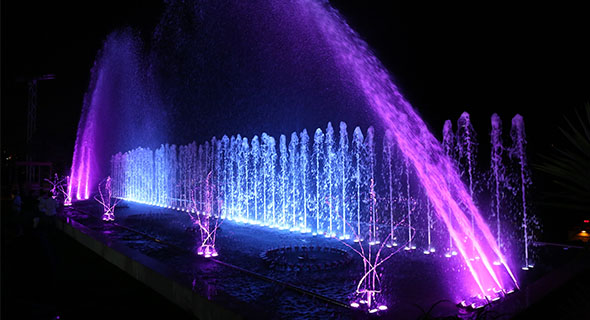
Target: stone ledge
(143,269)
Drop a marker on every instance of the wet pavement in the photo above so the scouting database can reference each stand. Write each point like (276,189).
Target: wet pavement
(414,284)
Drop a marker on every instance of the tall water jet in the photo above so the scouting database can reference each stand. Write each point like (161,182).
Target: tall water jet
(219,161)
(467,153)
(272,160)
(318,156)
(304,157)
(330,176)
(232,178)
(409,207)
(370,158)
(118,86)
(264,156)
(357,150)
(256,174)
(391,176)
(344,163)
(430,224)
(245,172)
(295,182)
(497,174)
(283,187)
(449,149)
(518,153)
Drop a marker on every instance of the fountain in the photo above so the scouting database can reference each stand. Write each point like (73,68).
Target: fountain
(466,155)
(344,169)
(249,174)
(449,149)
(452,203)
(59,188)
(106,199)
(522,183)
(497,175)
(327,187)
(201,215)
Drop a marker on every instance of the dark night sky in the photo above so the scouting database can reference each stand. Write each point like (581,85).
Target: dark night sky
(446,58)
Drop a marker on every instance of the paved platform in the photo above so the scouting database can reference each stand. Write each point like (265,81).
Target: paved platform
(157,247)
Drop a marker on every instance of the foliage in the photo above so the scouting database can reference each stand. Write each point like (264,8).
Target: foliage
(569,166)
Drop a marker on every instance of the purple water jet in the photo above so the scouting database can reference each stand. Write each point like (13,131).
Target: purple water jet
(449,149)
(522,182)
(466,155)
(498,178)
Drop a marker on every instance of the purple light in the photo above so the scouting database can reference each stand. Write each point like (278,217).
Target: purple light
(437,174)
(60,186)
(79,179)
(207,226)
(69,197)
(105,192)
(87,176)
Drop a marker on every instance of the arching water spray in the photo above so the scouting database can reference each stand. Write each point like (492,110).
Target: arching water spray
(451,201)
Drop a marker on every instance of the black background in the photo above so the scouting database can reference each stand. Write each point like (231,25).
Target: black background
(446,58)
